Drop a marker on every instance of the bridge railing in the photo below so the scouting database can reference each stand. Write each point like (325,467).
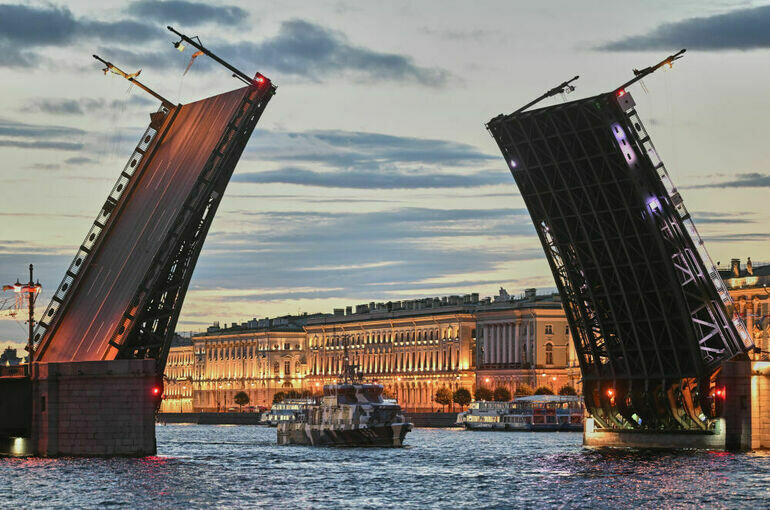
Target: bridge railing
(676,200)
(94,234)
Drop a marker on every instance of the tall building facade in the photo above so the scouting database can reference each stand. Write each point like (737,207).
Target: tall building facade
(412,347)
(749,286)
(525,341)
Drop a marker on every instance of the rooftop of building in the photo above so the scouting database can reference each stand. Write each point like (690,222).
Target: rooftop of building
(285,323)
(749,274)
(467,303)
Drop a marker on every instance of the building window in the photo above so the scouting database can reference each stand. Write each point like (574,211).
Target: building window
(286,368)
(549,354)
(276,368)
(566,329)
(549,329)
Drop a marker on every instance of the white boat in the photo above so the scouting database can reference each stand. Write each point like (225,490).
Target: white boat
(532,413)
(286,410)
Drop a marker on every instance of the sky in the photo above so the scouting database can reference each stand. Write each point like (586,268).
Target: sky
(371,176)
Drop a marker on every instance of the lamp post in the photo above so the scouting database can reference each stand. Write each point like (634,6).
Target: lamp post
(30,290)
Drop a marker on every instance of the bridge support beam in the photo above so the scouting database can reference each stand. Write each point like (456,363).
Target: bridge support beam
(745,424)
(94,408)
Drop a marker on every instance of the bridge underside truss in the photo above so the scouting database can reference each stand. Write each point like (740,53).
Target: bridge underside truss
(650,318)
(132,271)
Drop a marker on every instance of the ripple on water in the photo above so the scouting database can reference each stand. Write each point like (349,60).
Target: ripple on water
(205,466)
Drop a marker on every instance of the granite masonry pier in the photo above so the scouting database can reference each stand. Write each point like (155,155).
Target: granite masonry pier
(745,424)
(94,408)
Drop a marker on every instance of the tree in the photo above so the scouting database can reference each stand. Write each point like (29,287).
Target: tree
(544,390)
(278,397)
(523,390)
(242,399)
(462,397)
(443,396)
(502,394)
(483,393)
(293,394)
(567,390)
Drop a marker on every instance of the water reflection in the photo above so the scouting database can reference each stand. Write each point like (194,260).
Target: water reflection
(204,466)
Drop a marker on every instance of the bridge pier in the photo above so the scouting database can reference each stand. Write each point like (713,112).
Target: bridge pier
(745,424)
(94,408)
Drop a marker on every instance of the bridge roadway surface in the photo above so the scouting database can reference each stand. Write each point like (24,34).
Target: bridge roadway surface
(116,269)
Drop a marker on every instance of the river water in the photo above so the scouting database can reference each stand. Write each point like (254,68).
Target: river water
(201,466)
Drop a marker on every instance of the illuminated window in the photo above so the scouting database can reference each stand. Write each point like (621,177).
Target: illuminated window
(549,354)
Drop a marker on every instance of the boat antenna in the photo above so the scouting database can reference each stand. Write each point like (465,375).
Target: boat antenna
(132,78)
(639,74)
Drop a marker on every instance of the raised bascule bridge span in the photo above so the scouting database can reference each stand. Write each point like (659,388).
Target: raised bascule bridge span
(101,345)
(651,320)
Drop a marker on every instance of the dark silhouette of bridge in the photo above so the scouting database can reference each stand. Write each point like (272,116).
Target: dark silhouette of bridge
(651,320)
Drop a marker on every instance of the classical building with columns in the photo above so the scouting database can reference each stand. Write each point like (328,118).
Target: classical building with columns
(259,357)
(749,287)
(411,347)
(525,341)
(178,377)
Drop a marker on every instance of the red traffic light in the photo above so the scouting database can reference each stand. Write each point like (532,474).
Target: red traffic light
(621,92)
(155,390)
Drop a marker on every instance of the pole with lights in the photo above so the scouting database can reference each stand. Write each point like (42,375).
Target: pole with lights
(28,291)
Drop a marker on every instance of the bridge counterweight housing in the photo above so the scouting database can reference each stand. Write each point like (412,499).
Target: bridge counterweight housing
(650,318)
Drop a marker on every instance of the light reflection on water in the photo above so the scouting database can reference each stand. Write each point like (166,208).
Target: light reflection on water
(204,466)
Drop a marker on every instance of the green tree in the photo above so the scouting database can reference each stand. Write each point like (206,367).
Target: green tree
(502,394)
(567,390)
(242,399)
(544,390)
(483,393)
(443,397)
(278,397)
(461,397)
(523,390)
(293,394)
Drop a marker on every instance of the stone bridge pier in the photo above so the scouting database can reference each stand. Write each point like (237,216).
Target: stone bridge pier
(94,408)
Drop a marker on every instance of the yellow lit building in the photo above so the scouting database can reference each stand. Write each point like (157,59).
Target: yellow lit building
(525,341)
(259,357)
(178,377)
(413,347)
(750,289)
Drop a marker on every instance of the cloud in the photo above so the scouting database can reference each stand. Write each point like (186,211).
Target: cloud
(82,106)
(35,136)
(745,180)
(362,160)
(188,13)
(79,160)
(362,151)
(32,27)
(721,218)
(357,180)
(741,29)
(301,48)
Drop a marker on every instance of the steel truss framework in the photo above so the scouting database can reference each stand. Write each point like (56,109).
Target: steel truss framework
(650,318)
(148,325)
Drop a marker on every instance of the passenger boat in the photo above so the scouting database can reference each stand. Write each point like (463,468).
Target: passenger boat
(350,414)
(532,413)
(286,410)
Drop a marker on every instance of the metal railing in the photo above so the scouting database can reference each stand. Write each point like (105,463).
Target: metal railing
(94,234)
